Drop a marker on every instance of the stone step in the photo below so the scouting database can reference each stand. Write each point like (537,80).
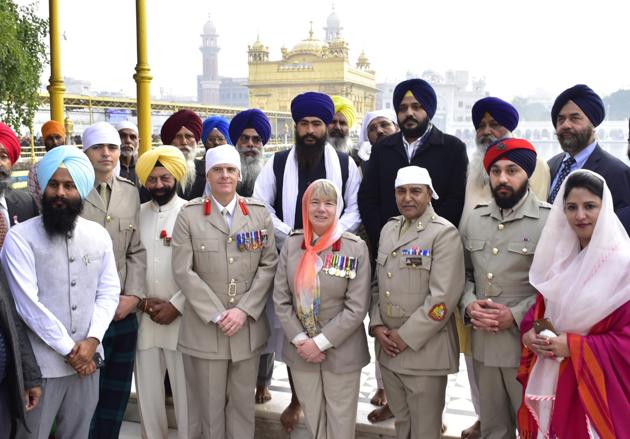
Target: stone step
(268,421)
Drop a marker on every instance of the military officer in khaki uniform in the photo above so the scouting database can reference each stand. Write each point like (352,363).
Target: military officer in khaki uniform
(500,241)
(224,261)
(325,344)
(420,280)
(114,203)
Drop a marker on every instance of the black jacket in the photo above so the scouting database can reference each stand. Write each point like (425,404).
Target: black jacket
(615,172)
(197,187)
(21,205)
(23,371)
(443,155)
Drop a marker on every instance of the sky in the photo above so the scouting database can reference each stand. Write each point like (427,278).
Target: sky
(521,48)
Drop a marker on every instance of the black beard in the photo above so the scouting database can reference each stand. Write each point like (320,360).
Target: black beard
(164,195)
(308,156)
(575,142)
(5,179)
(58,221)
(414,133)
(511,200)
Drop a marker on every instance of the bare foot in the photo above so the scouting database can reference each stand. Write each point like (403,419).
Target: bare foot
(262,394)
(380,414)
(290,416)
(379,398)
(472,432)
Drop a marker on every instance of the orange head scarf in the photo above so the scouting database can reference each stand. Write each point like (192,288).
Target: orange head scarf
(306,279)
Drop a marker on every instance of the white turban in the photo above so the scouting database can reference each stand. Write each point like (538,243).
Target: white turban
(369,117)
(223,155)
(415,175)
(100,133)
(127,125)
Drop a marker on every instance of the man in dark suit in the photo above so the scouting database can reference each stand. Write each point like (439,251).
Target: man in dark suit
(19,374)
(575,114)
(15,206)
(418,143)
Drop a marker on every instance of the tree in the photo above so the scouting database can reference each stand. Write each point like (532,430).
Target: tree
(618,105)
(23,55)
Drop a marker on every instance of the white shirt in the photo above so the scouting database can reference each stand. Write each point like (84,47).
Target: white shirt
(160,282)
(21,266)
(230,209)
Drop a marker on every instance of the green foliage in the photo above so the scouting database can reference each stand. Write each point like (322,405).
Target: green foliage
(618,105)
(23,55)
(531,110)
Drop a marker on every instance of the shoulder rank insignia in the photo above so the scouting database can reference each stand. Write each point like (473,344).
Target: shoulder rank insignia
(438,312)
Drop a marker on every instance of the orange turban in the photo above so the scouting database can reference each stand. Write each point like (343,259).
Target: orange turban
(53,127)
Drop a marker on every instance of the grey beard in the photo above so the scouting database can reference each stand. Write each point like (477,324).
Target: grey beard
(191,172)
(250,168)
(5,184)
(341,144)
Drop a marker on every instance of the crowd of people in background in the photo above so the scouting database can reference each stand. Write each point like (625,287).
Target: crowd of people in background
(195,275)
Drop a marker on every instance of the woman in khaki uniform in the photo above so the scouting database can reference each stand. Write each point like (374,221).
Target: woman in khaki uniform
(321,296)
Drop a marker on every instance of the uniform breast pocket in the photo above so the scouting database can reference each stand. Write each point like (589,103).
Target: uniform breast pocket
(475,245)
(126,228)
(415,272)
(205,254)
(524,248)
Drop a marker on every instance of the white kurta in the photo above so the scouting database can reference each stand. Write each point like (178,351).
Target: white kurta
(159,279)
(157,344)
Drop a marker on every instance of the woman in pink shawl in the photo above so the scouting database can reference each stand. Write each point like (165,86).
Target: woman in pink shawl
(321,296)
(577,383)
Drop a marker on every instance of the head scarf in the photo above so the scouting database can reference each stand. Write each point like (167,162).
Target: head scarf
(312,104)
(306,280)
(169,157)
(585,98)
(501,111)
(345,107)
(520,151)
(421,90)
(127,125)
(53,127)
(11,143)
(253,118)
(218,122)
(100,133)
(580,287)
(71,158)
(182,118)
(415,175)
(365,147)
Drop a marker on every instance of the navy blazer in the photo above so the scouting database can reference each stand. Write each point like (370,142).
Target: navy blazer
(615,172)
(21,205)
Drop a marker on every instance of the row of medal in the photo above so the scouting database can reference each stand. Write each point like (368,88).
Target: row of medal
(341,266)
(251,240)
(415,251)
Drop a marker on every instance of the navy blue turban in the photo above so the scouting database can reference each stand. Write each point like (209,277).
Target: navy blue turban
(585,98)
(218,122)
(421,90)
(253,118)
(501,111)
(312,104)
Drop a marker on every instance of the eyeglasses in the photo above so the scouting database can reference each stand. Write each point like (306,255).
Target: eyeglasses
(244,138)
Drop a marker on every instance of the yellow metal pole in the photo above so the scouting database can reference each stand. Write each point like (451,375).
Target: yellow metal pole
(143,79)
(56,88)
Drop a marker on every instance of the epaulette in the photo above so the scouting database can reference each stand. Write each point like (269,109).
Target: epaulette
(439,220)
(126,180)
(394,218)
(194,202)
(544,204)
(296,232)
(481,205)
(253,201)
(351,236)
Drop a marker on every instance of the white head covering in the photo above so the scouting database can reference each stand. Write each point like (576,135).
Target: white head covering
(415,175)
(365,147)
(222,155)
(580,286)
(126,124)
(100,133)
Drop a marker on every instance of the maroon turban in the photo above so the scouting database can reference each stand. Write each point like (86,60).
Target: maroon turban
(9,139)
(183,118)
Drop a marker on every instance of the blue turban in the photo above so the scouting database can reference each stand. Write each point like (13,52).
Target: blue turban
(421,90)
(312,104)
(253,118)
(501,111)
(585,98)
(74,160)
(218,122)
